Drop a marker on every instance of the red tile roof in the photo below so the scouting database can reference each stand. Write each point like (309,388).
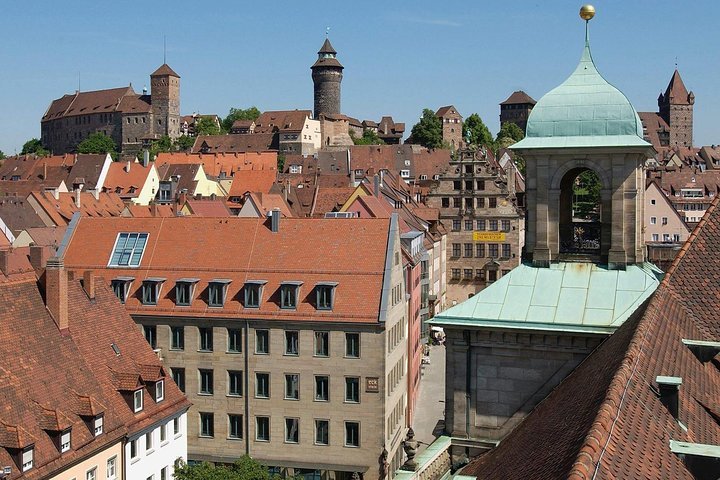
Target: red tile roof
(676,91)
(444,111)
(245,142)
(329,199)
(207,208)
(252,181)
(281,120)
(307,250)
(519,97)
(217,164)
(606,420)
(62,208)
(164,69)
(122,176)
(97,101)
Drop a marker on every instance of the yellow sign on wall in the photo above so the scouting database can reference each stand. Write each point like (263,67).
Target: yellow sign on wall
(488,236)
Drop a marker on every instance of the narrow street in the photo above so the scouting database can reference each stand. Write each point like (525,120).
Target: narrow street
(430,409)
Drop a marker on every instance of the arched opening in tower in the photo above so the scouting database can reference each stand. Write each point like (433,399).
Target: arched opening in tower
(580,216)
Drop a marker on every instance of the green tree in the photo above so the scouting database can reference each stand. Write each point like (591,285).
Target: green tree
(184,143)
(428,131)
(2,155)
(206,126)
(251,113)
(509,133)
(476,129)
(280,162)
(243,469)
(586,195)
(369,137)
(34,145)
(161,145)
(97,142)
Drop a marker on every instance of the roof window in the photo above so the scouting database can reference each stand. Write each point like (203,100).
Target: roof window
(150,290)
(325,295)
(128,250)
(253,293)
(184,291)
(289,294)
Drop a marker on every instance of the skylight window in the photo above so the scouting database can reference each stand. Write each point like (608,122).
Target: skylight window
(128,250)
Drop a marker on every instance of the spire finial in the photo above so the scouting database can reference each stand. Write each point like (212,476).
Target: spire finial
(587,12)
(164,49)
(327,32)
(675,62)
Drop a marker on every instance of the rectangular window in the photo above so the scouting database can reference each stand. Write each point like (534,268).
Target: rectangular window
(111,468)
(666,237)
(121,287)
(207,424)
(262,429)
(493,225)
(469,183)
(205,337)
(655,237)
(322,344)
(492,275)
(469,203)
(163,432)
(216,293)
(506,250)
(289,295)
(445,202)
(65,441)
(150,332)
(206,381)
(128,250)
(664,220)
(352,345)
(456,225)
(505,225)
(481,184)
(177,338)
(262,385)
(178,375)
(468,225)
(457,185)
(455,274)
(98,425)
(184,290)
(456,250)
(322,388)
(252,294)
(292,434)
(481,225)
(352,434)
(493,250)
(150,291)
(159,391)
(480,250)
(481,202)
(324,293)
(137,400)
(235,383)
(164,470)
(262,341)
(292,386)
(352,389)
(653,220)
(91,474)
(148,441)
(176,426)
(134,448)
(322,432)
(468,249)
(456,203)
(492,202)
(468,273)
(234,340)
(235,426)
(291,343)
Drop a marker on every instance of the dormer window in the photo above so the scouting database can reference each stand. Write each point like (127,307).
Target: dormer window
(26,458)
(128,250)
(65,441)
(325,295)
(184,290)
(253,293)
(289,294)
(138,400)
(217,291)
(98,425)
(151,290)
(121,287)
(159,391)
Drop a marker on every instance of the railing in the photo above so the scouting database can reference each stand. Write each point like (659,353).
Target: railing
(580,237)
(433,463)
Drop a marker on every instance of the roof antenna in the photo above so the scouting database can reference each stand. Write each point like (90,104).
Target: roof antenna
(78,82)
(164,49)
(327,32)
(676,62)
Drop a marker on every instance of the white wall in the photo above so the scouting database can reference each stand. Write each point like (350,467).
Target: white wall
(148,463)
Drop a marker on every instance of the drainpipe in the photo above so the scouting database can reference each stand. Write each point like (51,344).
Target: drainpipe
(468,362)
(247,389)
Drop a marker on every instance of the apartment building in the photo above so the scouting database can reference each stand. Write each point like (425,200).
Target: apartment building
(288,335)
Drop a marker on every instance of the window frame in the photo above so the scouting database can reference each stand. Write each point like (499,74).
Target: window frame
(98,425)
(121,287)
(185,291)
(327,431)
(252,293)
(348,352)
(235,379)
(159,391)
(235,420)
(325,295)
(138,400)
(265,393)
(234,346)
(133,258)
(262,333)
(205,339)
(352,396)
(325,343)
(219,286)
(318,382)
(206,381)
(265,419)
(207,425)
(288,430)
(292,343)
(177,337)
(348,423)
(291,394)
(178,373)
(290,295)
(150,290)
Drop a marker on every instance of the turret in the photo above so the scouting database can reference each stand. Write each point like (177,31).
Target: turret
(327,73)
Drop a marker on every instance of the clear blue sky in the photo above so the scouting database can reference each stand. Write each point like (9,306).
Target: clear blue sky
(399,57)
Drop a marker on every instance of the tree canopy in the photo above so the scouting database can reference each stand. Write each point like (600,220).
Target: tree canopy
(2,155)
(243,469)
(34,145)
(369,137)
(428,131)
(97,142)
(476,130)
(509,133)
(251,113)
(184,143)
(206,126)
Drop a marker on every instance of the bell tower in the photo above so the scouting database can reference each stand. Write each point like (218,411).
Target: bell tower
(584,129)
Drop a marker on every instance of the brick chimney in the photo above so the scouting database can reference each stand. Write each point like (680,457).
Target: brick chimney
(56,291)
(4,261)
(89,283)
(38,256)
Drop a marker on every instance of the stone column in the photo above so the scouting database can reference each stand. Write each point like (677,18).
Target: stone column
(617,256)
(541,253)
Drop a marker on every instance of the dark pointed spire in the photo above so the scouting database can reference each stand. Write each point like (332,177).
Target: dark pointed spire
(327,48)
(676,92)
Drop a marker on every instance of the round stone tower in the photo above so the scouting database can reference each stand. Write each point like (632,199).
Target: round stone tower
(327,74)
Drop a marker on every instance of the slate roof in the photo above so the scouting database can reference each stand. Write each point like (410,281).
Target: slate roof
(307,250)
(606,420)
(18,214)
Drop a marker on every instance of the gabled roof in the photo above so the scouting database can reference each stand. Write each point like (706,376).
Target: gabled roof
(252,181)
(606,420)
(244,142)
(281,120)
(519,97)
(447,110)
(17,214)
(62,208)
(207,208)
(183,173)
(267,202)
(164,69)
(84,103)
(219,164)
(122,176)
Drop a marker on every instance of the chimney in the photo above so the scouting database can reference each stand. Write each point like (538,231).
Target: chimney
(511,179)
(56,291)
(382,176)
(376,180)
(275,220)
(89,283)
(38,257)
(56,193)
(44,170)
(5,261)
(77,197)
(146,158)
(127,167)
(670,393)
(153,209)
(96,193)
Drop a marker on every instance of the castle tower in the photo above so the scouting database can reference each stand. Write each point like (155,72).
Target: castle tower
(516,109)
(165,98)
(584,124)
(676,108)
(327,73)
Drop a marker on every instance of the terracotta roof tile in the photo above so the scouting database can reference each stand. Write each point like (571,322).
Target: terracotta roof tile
(252,181)
(281,120)
(236,143)
(219,164)
(519,97)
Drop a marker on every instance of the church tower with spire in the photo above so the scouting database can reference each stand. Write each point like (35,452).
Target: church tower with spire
(327,74)
(676,108)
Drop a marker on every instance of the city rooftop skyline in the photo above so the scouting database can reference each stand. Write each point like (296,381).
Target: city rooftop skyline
(397,61)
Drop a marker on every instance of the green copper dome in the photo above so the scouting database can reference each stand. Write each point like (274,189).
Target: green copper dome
(583,111)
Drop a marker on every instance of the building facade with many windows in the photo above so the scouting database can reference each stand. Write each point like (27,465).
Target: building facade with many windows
(291,349)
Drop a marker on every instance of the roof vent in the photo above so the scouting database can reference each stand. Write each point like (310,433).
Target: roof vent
(670,393)
(703,350)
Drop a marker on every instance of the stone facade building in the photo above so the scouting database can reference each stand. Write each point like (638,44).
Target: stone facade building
(452,126)
(125,116)
(478,205)
(672,125)
(327,73)
(516,109)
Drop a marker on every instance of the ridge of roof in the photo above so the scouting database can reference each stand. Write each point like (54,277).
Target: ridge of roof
(164,69)
(518,97)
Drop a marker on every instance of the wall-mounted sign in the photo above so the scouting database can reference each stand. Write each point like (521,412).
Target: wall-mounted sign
(372,384)
(489,236)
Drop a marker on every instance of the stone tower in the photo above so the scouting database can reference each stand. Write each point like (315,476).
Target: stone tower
(327,73)
(452,126)
(584,124)
(516,109)
(676,108)
(165,97)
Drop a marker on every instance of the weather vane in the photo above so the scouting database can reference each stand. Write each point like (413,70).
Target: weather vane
(327,32)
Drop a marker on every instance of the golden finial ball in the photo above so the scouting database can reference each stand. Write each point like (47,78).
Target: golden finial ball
(587,12)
